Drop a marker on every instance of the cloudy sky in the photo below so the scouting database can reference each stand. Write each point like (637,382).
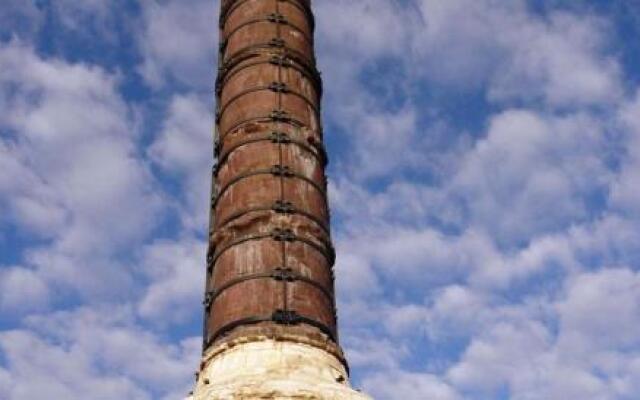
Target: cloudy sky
(484,180)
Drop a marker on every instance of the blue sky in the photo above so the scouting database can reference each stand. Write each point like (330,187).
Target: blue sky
(484,181)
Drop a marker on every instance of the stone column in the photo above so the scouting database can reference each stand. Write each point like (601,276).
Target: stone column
(270,317)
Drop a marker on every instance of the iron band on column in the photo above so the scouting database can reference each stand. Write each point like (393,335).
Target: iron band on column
(274,116)
(272,19)
(280,317)
(280,207)
(276,170)
(233,67)
(278,274)
(316,149)
(279,235)
(232,5)
(275,43)
(276,87)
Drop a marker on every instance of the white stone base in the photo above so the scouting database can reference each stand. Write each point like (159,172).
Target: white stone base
(270,369)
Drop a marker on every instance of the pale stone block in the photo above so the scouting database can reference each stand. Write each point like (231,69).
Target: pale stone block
(278,370)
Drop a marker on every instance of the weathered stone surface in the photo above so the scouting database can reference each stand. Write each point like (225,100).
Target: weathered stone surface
(270,177)
(269,369)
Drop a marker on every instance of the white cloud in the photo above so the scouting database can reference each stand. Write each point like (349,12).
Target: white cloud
(456,44)
(456,311)
(373,352)
(415,258)
(27,200)
(21,290)
(184,148)
(389,385)
(98,354)
(532,174)
(175,271)
(561,61)
(70,142)
(186,141)
(374,35)
(91,18)
(178,42)
(488,361)
(76,136)
(374,153)
(602,310)
(625,194)
(419,259)
(591,353)
(57,373)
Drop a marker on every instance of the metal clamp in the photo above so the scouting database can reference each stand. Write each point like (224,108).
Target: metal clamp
(278,87)
(283,207)
(279,116)
(277,42)
(282,170)
(283,235)
(277,18)
(280,61)
(208,301)
(285,317)
(222,46)
(280,137)
(284,275)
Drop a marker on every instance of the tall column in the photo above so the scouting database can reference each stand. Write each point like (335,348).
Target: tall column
(270,317)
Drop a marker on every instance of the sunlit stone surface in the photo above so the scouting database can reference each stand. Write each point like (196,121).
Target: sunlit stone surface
(274,370)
